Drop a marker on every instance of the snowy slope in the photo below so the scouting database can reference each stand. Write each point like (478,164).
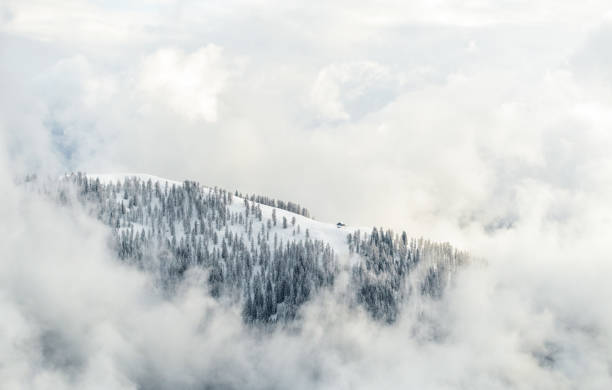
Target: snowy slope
(327,232)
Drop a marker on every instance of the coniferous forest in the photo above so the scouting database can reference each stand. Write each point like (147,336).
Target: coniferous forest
(258,252)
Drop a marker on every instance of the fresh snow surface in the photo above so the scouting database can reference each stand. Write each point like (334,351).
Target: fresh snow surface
(327,232)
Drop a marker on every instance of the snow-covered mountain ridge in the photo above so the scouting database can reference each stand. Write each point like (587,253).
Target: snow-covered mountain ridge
(266,258)
(328,232)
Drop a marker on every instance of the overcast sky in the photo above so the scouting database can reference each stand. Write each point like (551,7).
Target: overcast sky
(418,115)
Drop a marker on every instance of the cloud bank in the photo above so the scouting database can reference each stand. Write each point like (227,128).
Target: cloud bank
(75,317)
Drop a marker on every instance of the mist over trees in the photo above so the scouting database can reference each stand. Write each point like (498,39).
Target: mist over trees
(393,267)
(203,290)
(268,265)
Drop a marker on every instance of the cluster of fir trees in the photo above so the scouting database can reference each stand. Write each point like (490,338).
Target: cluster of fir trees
(394,267)
(288,206)
(167,229)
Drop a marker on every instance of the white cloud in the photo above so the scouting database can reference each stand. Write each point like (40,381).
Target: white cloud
(351,90)
(76,23)
(187,83)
